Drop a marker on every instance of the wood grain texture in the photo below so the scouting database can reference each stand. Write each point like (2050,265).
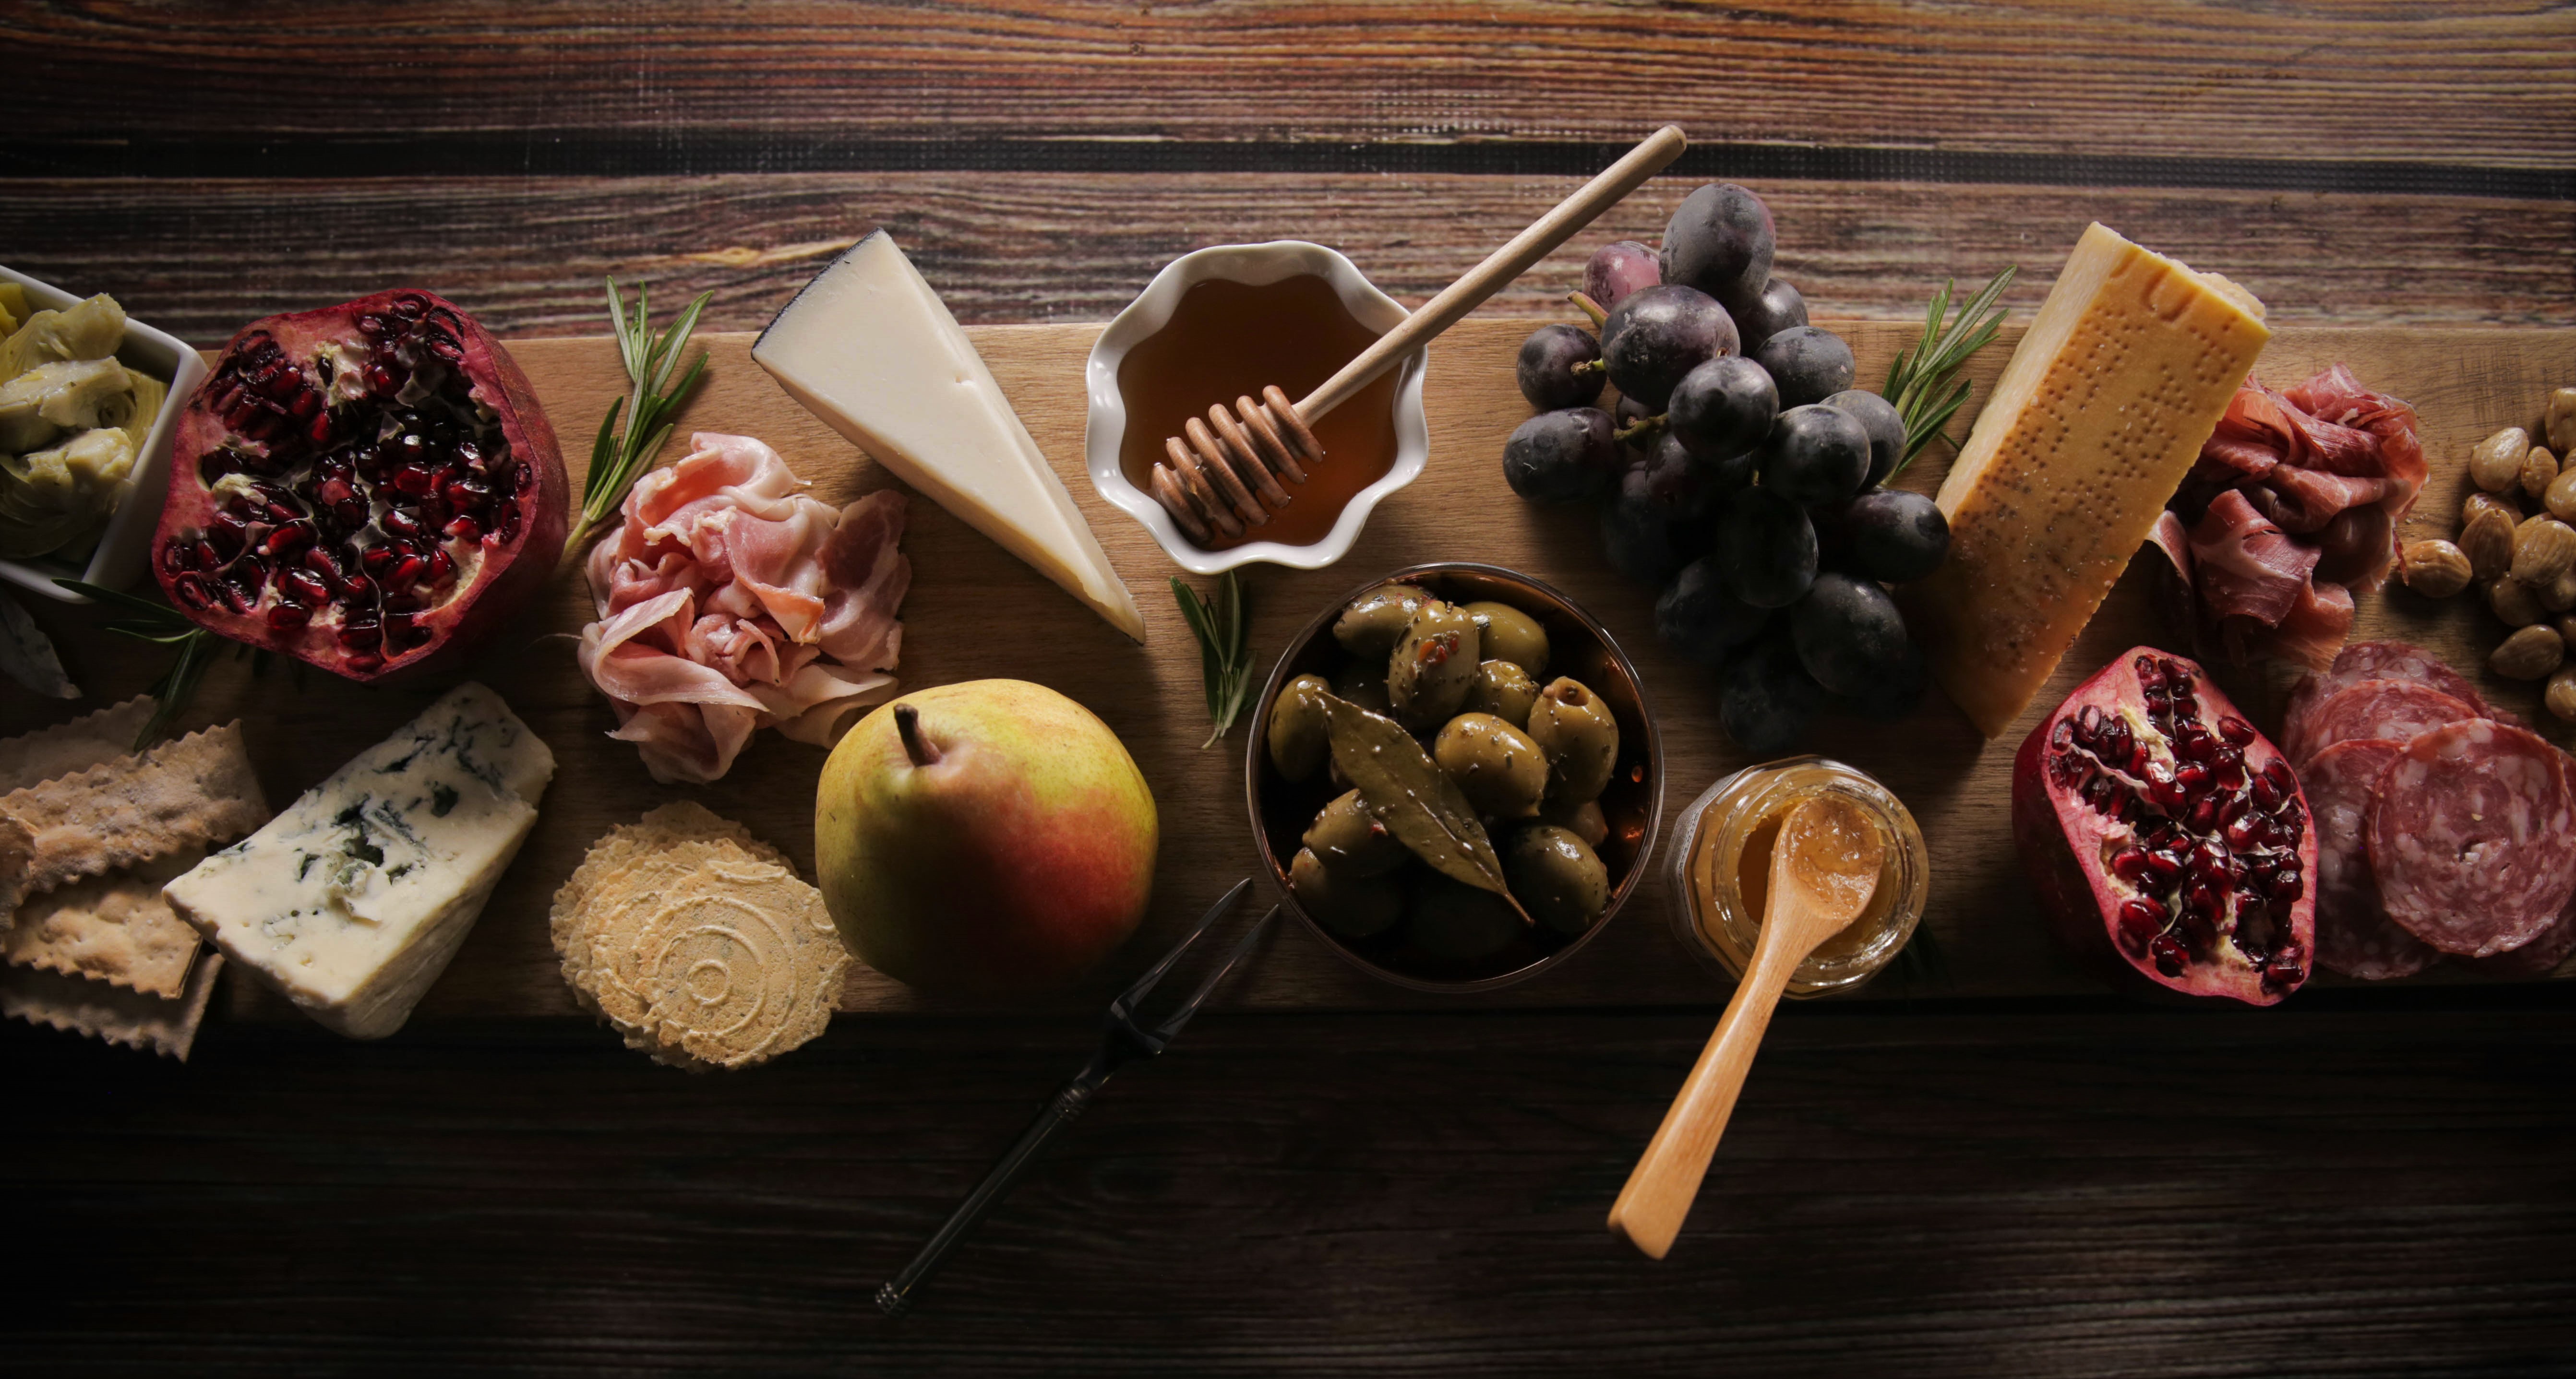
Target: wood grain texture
(2061,1190)
(2290,81)
(201,257)
(974,613)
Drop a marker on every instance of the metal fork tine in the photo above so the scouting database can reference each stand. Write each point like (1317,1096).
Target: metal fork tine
(1127,999)
(1172,1023)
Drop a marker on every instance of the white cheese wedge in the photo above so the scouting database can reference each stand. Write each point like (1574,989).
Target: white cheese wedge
(352,901)
(869,348)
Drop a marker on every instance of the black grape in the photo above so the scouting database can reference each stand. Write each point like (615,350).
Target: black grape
(1766,548)
(1808,363)
(1552,368)
(1616,270)
(1560,455)
(1776,308)
(1848,633)
(1765,699)
(1724,407)
(1815,455)
(1642,537)
(1660,334)
(1720,241)
(1700,620)
(1886,429)
(1889,534)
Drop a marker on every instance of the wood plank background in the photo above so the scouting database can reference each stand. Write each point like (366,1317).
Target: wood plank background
(2371,1181)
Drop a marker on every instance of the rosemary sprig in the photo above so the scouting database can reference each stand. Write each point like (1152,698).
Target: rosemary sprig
(147,621)
(1924,382)
(1225,649)
(618,458)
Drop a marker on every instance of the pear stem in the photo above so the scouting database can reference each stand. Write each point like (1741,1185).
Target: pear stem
(907,725)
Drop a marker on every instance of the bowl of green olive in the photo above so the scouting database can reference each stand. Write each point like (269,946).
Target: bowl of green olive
(1453,777)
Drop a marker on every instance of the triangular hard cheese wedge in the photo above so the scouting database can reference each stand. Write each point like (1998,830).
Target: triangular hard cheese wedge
(869,348)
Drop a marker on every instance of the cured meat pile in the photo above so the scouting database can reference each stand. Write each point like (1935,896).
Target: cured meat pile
(729,602)
(2291,510)
(2443,826)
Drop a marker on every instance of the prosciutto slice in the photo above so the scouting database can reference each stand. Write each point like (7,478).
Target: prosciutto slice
(729,601)
(2291,510)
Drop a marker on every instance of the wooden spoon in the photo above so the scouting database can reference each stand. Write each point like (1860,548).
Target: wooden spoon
(1824,868)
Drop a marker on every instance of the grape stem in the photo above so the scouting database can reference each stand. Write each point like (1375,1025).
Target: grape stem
(1643,426)
(1590,308)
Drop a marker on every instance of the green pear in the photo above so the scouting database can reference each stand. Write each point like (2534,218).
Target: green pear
(991,838)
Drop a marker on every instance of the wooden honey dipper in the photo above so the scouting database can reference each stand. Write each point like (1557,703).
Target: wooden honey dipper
(1223,474)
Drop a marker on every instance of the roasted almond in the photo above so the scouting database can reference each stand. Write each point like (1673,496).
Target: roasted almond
(2567,631)
(2559,423)
(2435,568)
(2496,463)
(2561,694)
(2488,502)
(2514,601)
(2559,594)
(2561,497)
(2488,543)
(2539,467)
(2543,549)
(2529,654)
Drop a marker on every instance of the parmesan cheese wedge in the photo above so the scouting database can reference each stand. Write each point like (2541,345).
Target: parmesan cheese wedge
(869,348)
(2092,426)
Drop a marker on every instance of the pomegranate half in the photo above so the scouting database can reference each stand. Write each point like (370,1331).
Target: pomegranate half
(369,487)
(2166,836)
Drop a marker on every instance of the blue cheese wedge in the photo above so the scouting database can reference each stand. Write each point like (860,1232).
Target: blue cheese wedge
(352,901)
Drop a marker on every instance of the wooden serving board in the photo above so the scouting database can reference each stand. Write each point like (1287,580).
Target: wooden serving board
(975,612)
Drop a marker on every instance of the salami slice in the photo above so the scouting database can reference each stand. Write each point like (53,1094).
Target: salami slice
(2354,935)
(2377,661)
(2539,957)
(2473,837)
(2380,710)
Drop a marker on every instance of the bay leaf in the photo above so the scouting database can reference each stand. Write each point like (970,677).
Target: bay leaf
(1413,797)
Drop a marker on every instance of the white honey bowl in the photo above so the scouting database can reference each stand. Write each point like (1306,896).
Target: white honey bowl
(1254,265)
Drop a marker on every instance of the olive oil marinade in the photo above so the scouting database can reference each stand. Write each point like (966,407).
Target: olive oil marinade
(1227,339)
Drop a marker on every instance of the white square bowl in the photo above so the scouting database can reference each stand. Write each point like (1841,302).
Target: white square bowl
(127,544)
(1254,265)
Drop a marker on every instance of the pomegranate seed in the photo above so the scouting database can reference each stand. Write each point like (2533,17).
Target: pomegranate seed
(371,325)
(442,567)
(2193,781)
(2283,971)
(2130,865)
(2267,792)
(2204,812)
(360,631)
(350,512)
(2159,704)
(2163,868)
(2116,740)
(376,558)
(2245,831)
(192,591)
(288,617)
(400,523)
(301,586)
(363,663)
(289,539)
(465,529)
(333,492)
(510,525)
(2148,675)
(237,598)
(359,588)
(2062,736)
(2167,951)
(2141,921)
(2235,730)
(407,571)
(414,479)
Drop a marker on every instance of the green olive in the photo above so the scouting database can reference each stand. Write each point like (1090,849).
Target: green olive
(1434,665)
(1574,728)
(1458,922)
(1364,684)
(1369,627)
(1347,838)
(1494,764)
(1584,820)
(1511,635)
(1504,690)
(1557,878)
(1352,906)
(1298,744)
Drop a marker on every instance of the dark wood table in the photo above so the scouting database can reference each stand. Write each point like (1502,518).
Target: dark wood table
(2367,1181)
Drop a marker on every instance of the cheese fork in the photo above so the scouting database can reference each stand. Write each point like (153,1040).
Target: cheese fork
(1123,1040)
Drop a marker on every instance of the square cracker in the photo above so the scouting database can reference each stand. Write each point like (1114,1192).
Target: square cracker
(199,789)
(115,929)
(164,1026)
(93,739)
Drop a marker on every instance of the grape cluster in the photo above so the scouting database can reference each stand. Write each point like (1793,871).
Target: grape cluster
(1739,471)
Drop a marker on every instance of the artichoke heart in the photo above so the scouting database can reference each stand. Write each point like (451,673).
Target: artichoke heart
(51,499)
(13,308)
(68,395)
(85,330)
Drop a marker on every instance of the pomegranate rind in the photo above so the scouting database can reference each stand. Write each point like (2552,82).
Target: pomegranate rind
(2064,848)
(507,573)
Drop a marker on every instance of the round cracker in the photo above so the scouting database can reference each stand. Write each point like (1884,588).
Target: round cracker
(738,975)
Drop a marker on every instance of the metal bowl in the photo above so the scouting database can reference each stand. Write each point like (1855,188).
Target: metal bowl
(1580,647)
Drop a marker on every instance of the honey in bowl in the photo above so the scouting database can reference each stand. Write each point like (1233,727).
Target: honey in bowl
(1722,866)
(1229,339)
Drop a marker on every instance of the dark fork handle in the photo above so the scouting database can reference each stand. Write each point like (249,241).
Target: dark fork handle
(894,1297)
